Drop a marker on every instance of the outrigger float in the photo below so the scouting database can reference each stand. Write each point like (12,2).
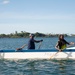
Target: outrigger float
(38,54)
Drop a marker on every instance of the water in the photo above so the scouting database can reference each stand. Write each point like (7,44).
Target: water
(35,67)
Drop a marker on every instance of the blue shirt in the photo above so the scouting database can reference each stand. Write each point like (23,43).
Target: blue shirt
(31,44)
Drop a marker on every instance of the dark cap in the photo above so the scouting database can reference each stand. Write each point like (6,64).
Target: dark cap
(31,35)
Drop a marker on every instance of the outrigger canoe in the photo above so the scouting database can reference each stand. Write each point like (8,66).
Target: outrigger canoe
(38,54)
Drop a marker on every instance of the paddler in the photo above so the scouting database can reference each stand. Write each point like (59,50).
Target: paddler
(62,43)
(32,41)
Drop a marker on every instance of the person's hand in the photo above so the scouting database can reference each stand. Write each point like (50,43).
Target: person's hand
(41,40)
(72,43)
(19,49)
(60,50)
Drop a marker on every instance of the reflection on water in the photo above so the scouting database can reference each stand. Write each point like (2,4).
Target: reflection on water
(36,67)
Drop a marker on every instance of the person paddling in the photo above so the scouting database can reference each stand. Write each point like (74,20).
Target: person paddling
(62,43)
(32,41)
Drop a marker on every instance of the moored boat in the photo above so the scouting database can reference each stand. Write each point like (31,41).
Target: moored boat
(38,54)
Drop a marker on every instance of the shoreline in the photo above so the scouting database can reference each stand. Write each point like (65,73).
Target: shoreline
(24,34)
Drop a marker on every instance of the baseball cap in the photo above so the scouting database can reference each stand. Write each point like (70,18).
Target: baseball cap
(31,35)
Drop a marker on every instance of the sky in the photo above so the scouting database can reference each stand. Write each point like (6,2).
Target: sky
(44,16)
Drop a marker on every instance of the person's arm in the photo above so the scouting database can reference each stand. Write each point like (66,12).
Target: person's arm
(66,42)
(57,47)
(37,41)
(71,43)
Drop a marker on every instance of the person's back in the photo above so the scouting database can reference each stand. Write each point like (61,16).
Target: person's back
(31,44)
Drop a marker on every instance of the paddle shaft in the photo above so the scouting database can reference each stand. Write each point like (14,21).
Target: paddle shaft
(21,47)
(40,45)
(54,55)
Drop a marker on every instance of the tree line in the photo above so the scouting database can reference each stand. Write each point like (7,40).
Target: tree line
(26,34)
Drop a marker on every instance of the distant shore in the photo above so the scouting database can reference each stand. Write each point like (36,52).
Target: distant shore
(26,34)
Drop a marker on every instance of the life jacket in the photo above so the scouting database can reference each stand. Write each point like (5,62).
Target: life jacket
(62,44)
(63,47)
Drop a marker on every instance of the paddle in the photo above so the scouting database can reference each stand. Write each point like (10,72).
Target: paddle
(40,45)
(21,47)
(54,54)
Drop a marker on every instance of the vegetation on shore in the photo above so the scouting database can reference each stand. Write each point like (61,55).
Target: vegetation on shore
(26,34)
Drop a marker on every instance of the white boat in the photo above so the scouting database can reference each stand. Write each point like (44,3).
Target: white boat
(38,54)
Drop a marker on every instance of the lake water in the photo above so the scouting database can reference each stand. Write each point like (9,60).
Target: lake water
(35,67)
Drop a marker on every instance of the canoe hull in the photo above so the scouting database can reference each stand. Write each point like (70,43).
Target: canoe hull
(36,54)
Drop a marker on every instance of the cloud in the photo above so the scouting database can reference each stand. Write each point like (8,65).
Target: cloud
(5,2)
